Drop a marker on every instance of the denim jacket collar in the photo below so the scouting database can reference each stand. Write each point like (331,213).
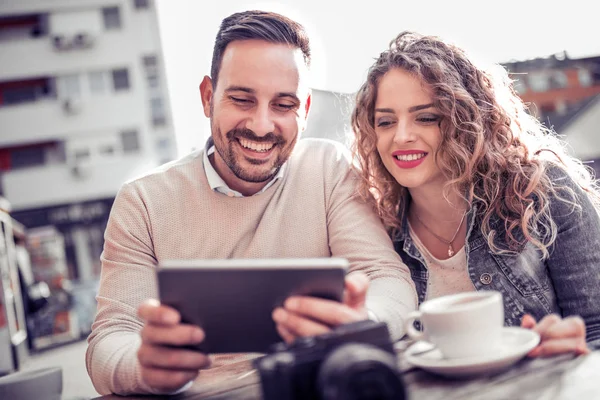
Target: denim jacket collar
(402,234)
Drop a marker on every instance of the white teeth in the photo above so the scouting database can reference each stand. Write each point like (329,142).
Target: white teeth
(259,147)
(410,157)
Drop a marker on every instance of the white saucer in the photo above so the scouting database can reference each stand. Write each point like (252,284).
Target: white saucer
(516,343)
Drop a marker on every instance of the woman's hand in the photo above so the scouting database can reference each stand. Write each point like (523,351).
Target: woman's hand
(557,335)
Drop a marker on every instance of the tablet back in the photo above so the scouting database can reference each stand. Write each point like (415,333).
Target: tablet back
(232,300)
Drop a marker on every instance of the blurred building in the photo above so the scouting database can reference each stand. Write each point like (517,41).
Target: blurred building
(83,108)
(565,94)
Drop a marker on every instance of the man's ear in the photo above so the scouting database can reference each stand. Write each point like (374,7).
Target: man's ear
(206,94)
(306,110)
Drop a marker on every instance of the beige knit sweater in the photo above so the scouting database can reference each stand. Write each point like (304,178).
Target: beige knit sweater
(172,213)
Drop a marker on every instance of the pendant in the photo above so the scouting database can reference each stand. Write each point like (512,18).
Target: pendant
(450,250)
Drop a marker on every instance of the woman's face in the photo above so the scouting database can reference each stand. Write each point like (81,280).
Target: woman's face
(407,128)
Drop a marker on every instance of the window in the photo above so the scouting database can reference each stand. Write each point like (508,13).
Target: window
(157,109)
(56,154)
(152,81)
(585,78)
(150,66)
(130,141)
(98,82)
(81,154)
(150,61)
(538,82)
(107,150)
(163,144)
(70,86)
(120,79)
(141,4)
(28,157)
(558,80)
(25,94)
(112,18)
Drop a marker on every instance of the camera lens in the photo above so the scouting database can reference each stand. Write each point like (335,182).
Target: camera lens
(360,371)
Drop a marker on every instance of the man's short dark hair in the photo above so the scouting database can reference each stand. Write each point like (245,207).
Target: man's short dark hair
(261,25)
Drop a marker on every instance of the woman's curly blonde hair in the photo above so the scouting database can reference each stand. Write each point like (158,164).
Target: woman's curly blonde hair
(492,151)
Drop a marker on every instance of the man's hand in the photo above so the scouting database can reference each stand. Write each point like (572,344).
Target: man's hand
(310,316)
(165,367)
(557,335)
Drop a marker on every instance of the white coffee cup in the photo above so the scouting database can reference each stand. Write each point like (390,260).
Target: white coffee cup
(460,325)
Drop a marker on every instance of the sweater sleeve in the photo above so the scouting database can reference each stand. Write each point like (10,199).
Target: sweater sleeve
(127,279)
(357,234)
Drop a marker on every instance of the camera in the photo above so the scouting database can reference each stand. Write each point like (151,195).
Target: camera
(353,361)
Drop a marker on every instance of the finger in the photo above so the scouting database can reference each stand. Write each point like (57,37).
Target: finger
(357,284)
(167,380)
(152,311)
(326,312)
(545,324)
(528,322)
(298,325)
(570,327)
(178,335)
(174,359)
(560,346)
(285,334)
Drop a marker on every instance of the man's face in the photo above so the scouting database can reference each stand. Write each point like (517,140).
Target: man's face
(257,110)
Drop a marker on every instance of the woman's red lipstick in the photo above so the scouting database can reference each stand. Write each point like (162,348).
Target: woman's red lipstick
(400,158)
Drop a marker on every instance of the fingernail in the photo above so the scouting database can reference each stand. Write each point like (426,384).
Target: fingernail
(198,335)
(291,303)
(279,315)
(582,349)
(170,318)
(534,353)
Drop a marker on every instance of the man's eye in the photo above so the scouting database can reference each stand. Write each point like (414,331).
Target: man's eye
(239,100)
(285,106)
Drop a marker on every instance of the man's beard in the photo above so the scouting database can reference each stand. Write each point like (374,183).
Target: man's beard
(224,146)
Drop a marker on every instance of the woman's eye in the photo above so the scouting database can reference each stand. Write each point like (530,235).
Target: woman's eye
(383,124)
(429,119)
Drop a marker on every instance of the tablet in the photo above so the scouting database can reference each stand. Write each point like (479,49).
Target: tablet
(232,300)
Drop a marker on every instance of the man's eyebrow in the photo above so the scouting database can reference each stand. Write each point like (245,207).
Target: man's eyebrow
(239,89)
(290,95)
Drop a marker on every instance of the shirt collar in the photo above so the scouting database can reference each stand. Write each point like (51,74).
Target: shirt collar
(217,183)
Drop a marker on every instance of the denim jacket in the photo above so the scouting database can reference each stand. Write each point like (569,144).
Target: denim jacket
(566,283)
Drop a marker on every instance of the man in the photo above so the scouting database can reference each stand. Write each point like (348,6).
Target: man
(254,191)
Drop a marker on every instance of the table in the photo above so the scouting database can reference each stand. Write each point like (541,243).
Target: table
(561,377)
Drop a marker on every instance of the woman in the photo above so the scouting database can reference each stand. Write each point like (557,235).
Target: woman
(476,193)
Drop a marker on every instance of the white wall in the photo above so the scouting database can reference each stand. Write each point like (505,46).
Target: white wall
(60,184)
(47,119)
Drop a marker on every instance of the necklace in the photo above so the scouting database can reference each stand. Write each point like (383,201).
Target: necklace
(441,239)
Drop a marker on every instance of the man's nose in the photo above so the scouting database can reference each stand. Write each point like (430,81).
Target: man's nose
(261,121)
